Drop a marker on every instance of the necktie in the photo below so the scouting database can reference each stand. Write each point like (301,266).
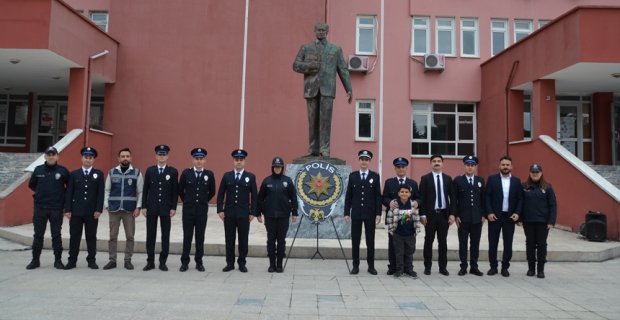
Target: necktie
(363,176)
(161,170)
(439,202)
(471,182)
(198,174)
(85,173)
(237,178)
(402,181)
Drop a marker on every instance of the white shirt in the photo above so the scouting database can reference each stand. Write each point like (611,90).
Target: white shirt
(196,170)
(443,197)
(89,170)
(506,191)
(364,172)
(159,169)
(240,173)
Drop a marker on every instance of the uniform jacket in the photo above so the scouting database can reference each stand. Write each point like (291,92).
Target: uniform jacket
(363,198)
(277,197)
(237,199)
(85,195)
(539,205)
(331,62)
(468,200)
(160,192)
(196,193)
(495,196)
(390,191)
(123,191)
(48,184)
(428,194)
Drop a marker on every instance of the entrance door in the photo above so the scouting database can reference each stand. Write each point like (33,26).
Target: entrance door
(615,129)
(52,124)
(575,130)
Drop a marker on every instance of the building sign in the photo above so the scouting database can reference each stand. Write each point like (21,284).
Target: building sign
(21,114)
(319,186)
(47,116)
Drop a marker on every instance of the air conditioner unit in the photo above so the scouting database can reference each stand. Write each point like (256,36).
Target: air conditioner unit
(358,63)
(434,62)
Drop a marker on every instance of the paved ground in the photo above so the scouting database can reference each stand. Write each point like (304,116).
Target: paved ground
(308,289)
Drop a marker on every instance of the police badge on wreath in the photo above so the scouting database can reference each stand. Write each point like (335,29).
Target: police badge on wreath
(319,186)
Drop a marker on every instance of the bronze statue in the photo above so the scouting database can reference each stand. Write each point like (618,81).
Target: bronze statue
(319,61)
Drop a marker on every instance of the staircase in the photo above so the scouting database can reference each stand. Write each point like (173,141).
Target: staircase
(12,166)
(610,173)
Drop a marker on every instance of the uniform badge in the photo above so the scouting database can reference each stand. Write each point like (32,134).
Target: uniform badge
(247,179)
(480,184)
(370,180)
(206,178)
(543,191)
(57,176)
(88,148)
(129,182)
(238,151)
(365,152)
(285,183)
(95,176)
(161,147)
(199,150)
(167,177)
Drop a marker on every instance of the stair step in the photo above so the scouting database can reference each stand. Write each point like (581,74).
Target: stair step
(610,173)
(12,166)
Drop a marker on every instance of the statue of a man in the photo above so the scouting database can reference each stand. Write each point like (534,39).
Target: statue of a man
(319,61)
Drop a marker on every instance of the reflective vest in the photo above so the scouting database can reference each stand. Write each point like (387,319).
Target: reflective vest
(123,193)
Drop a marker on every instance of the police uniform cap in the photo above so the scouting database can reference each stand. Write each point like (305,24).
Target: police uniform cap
(239,153)
(364,154)
(535,167)
(470,159)
(401,162)
(51,149)
(277,162)
(199,152)
(162,149)
(89,151)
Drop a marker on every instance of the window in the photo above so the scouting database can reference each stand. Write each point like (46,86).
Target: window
(527,116)
(366,35)
(420,42)
(80,12)
(499,36)
(100,18)
(541,23)
(444,41)
(469,38)
(443,128)
(522,29)
(365,120)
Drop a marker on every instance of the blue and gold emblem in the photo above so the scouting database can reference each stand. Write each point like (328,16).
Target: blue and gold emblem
(319,186)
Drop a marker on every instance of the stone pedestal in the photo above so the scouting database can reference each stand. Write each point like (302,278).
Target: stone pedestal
(334,161)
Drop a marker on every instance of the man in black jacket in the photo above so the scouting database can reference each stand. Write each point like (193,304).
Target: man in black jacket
(390,194)
(159,200)
(48,182)
(277,200)
(83,206)
(362,206)
(236,206)
(196,189)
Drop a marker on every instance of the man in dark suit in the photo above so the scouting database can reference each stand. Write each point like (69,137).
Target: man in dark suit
(236,206)
(196,188)
(468,210)
(319,61)
(503,202)
(390,194)
(159,201)
(362,206)
(435,214)
(83,206)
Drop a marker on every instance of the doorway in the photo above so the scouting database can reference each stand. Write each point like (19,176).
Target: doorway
(52,124)
(615,129)
(575,129)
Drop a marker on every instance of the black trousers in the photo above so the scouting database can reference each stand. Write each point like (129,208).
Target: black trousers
(276,232)
(536,242)
(436,223)
(40,217)
(89,224)
(198,223)
(232,227)
(507,227)
(151,237)
(356,238)
(469,232)
(404,247)
(391,253)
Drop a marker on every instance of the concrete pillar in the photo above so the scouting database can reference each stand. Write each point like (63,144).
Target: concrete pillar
(76,109)
(544,110)
(515,110)
(601,123)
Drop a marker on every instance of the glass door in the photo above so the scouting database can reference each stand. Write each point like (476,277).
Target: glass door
(615,129)
(52,124)
(575,129)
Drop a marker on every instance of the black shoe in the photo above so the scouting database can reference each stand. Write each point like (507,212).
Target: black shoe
(271,269)
(427,271)
(541,274)
(355,270)
(110,265)
(492,272)
(505,273)
(244,269)
(531,272)
(391,272)
(372,271)
(70,265)
(475,271)
(33,264)
(93,265)
(200,267)
(279,269)
(444,272)
(59,265)
(149,266)
(462,272)
(398,274)
(228,268)
(183,268)
(128,265)
(162,266)
(412,274)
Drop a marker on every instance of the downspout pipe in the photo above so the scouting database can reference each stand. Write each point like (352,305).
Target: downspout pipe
(382,47)
(89,84)
(515,65)
(245,53)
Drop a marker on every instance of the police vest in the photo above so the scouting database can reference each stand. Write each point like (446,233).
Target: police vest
(123,194)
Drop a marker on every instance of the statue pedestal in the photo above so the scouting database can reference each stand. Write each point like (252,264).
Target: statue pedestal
(334,161)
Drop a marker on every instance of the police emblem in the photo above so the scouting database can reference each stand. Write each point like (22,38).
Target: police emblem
(129,181)
(167,177)
(161,147)
(57,176)
(370,180)
(206,178)
(319,186)
(480,184)
(199,150)
(95,176)
(247,179)
(88,148)
(285,183)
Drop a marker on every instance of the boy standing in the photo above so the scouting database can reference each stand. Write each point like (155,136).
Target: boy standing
(403,224)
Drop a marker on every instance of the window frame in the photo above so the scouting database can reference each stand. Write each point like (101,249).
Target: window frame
(521,31)
(505,30)
(427,28)
(452,35)
(542,23)
(476,38)
(371,112)
(366,27)
(107,19)
(527,98)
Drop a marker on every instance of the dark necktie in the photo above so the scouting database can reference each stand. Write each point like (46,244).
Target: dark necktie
(363,176)
(85,173)
(439,202)
(161,170)
(237,178)
(471,182)
(402,181)
(198,174)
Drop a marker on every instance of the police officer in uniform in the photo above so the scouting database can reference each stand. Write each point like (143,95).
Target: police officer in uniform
(48,181)
(362,206)
(468,195)
(390,196)
(83,206)
(236,206)
(196,188)
(159,200)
